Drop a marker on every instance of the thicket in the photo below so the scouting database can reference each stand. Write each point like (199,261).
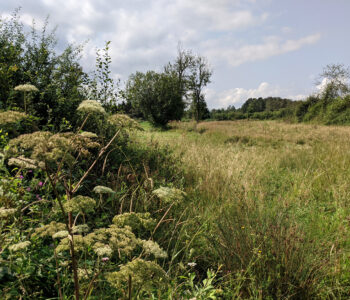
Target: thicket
(85,211)
(330,106)
(258,108)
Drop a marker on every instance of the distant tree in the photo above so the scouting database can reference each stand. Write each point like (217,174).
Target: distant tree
(182,66)
(198,80)
(337,80)
(155,96)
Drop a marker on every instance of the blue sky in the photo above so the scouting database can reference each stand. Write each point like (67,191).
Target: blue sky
(257,48)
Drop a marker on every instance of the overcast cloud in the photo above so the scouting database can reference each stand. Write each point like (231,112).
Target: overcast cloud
(238,37)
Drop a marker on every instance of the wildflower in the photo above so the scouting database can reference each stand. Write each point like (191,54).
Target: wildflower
(137,221)
(84,273)
(169,195)
(80,228)
(5,212)
(28,189)
(80,204)
(40,183)
(144,274)
(23,162)
(19,246)
(49,229)
(104,259)
(100,189)
(192,264)
(38,197)
(10,117)
(88,134)
(91,106)
(124,121)
(20,176)
(105,250)
(153,248)
(61,234)
(26,88)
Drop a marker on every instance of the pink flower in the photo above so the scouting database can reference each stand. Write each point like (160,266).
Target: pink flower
(28,189)
(40,183)
(104,259)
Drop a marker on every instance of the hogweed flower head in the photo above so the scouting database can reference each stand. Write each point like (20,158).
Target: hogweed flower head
(23,162)
(91,106)
(124,121)
(6,212)
(19,246)
(26,88)
(169,195)
(88,134)
(10,116)
(80,204)
(153,248)
(100,189)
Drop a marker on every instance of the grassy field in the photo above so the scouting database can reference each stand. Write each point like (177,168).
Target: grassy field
(269,205)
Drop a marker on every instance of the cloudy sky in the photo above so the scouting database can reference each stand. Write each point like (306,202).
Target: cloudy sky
(256,48)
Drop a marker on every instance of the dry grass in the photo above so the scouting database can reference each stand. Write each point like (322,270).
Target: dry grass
(290,177)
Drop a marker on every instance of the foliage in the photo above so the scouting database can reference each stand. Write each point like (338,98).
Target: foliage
(155,96)
(99,84)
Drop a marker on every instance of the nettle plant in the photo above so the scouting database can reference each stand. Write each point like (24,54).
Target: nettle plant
(115,254)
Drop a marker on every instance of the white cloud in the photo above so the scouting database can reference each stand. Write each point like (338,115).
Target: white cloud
(238,96)
(272,46)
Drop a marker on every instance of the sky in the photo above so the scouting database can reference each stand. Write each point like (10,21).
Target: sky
(256,48)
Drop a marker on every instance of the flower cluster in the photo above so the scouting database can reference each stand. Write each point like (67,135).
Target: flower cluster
(91,106)
(9,117)
(44,147)
(124,121)
(49,229)
(19,246)
(152,248)
(100,189)
(137,221)
(145,274)
(26,88)
(6,212)
(80,204)
(169,195)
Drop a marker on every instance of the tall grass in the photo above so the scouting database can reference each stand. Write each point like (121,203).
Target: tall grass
(274,201)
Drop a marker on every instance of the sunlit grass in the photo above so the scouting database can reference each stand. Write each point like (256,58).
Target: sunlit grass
(287,185)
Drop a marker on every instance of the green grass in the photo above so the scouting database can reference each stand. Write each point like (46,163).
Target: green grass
(271,200)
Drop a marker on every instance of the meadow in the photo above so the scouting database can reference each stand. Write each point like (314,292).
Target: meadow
(269,205)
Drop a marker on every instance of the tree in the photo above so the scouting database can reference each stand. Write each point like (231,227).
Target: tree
(336,77)
(199,78)
(30,57)
(100,85)
(182,66)
(155,96)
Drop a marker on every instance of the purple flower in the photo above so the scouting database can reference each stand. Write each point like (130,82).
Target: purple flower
(28,189)
(20,177)
(38,197)
(40,183)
